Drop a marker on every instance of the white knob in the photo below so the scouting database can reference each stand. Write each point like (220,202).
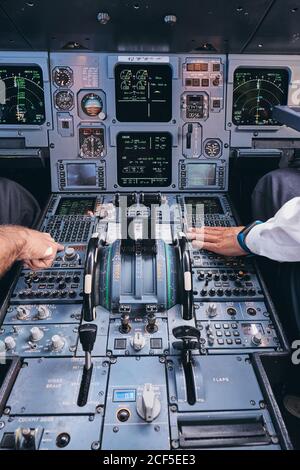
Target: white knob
(70,253)
(22,313)
(211,310)
(43,312)
(148,405)
(102,115)
(9,343)
(36,333)
(138,341)
(57,342)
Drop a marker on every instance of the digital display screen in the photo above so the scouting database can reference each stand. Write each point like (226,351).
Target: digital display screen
(81,174)
(144,159)
(201,174)
(143,92)
(75,206)
(212,205)
(124,395)
(21,95)
(255,93)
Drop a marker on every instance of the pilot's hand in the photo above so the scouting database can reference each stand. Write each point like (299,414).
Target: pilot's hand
(39,249)
(220,240)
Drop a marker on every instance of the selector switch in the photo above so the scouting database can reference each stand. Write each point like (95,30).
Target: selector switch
(125,325)
(148,405)
(138,341)
(36,334)
(10,343)
(211,310)
(43,312)
(57,343)
(22,313)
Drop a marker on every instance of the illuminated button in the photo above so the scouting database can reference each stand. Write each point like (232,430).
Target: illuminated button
(196,82)
(190,67)
(205,82)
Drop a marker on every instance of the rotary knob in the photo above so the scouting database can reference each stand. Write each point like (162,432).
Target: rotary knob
(57,343)
(10,343)
(22,313)
(138,341)
(148,405)
(257,339)
(43,312)
(211,310)
(70,254)
(36,333)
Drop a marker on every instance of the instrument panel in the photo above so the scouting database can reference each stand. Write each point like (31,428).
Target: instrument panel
(255,93)
(22,95)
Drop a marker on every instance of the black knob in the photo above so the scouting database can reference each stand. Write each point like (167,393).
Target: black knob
(87,336)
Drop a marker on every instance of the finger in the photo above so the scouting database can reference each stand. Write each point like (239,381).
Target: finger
(205,237)
(215,229)
(60,247)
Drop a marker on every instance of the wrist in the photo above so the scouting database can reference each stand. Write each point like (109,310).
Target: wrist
(242,236)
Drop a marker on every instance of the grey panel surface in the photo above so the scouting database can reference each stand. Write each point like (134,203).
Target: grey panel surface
(222,384)
(51,386)
(26,347)
(84,431)
(95,71)
(132,374)
(200,419)
(57,314)
(155,343)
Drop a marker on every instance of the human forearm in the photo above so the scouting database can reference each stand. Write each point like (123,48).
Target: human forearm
(36,249)
(12,243)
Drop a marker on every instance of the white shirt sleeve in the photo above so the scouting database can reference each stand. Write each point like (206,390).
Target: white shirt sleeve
(279,237)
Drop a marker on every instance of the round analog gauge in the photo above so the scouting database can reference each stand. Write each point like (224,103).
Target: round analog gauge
(212,148)
(63,77)
(92,147)
(92,104)
(64,100)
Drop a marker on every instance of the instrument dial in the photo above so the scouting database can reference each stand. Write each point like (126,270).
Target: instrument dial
(212,148)
(64,100)
(63,77)
(92,104)
(92,147)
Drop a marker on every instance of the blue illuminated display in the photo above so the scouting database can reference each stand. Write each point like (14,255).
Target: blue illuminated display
(124,395)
